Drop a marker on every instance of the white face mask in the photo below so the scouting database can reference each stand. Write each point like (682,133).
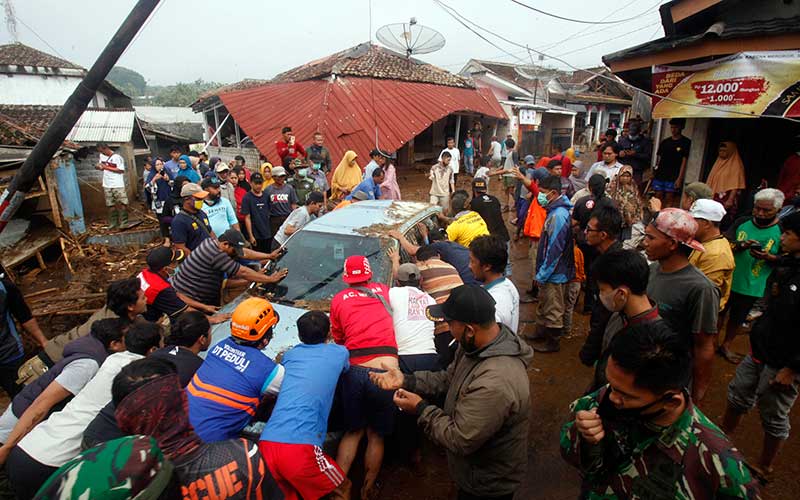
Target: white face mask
(611,302)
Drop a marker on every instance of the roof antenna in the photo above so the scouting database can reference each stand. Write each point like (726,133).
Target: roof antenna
(11,20)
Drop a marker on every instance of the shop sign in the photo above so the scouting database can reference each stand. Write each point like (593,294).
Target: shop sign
(755,83)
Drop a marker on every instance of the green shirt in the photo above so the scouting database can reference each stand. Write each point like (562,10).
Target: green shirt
(689,460)
(750,275)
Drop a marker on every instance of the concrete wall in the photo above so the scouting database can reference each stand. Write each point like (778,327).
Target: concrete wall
(250,155)
(41,90)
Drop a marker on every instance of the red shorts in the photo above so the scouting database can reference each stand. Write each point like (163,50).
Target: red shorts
(301,470)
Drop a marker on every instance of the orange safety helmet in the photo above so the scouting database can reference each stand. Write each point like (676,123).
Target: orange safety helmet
(252,319)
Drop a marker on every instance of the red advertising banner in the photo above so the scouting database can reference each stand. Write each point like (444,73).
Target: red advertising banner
(755,83)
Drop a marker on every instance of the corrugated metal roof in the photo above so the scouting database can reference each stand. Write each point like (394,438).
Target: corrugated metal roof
(113,126)
(343,110)
(167,114)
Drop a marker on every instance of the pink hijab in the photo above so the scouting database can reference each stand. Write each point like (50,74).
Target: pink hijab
(390,190)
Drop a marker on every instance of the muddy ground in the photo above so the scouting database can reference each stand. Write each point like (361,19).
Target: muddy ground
(556,379)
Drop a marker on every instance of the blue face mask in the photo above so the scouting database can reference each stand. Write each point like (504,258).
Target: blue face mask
(316,166)
(542,199)
(303,172)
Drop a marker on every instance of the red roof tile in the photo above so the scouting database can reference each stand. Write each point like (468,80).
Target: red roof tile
(343,111)
(22,55)
(33,118)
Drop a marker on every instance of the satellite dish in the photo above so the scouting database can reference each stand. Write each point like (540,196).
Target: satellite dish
(410,37)
(529,72)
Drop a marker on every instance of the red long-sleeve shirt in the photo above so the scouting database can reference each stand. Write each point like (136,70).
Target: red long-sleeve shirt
(292,152)
(362,324)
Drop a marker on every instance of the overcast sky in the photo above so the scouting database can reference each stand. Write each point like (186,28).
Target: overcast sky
(227,41)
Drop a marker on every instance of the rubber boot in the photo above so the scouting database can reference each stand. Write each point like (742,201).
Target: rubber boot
(549,341)
(539,333)
(113,218)
(123,218)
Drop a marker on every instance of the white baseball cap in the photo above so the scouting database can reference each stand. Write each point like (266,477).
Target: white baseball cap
(709,210)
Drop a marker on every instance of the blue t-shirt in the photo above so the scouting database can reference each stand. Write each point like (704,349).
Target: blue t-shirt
(369,187)
(457,256)
(172,167)
(258,208)
(221,215)
(304,403)
(227,388)
(185,229)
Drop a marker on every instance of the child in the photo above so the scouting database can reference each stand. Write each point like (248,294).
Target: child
(291,443)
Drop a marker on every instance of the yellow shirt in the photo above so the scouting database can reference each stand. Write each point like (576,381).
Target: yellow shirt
(466,228)
(717,264)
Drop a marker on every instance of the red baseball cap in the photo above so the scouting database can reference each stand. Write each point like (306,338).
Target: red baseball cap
(356,270)
(679,225)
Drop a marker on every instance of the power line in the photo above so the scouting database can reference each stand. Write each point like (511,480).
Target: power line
(40,38)
(467,22)
(540,11)
(608,40)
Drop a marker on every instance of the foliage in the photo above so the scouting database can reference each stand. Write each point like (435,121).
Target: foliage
(180,94)
(128,81)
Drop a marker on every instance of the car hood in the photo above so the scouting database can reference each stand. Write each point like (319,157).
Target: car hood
(285,332)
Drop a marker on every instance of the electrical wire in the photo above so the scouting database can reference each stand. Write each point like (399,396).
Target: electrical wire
(556,16)
(608,40)
(467,23)
(40,38)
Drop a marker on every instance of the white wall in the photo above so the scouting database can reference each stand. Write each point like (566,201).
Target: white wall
(41,90)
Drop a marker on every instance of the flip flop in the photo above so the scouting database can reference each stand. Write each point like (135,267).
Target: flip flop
(729,356)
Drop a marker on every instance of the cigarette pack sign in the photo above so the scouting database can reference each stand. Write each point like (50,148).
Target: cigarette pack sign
(754,83)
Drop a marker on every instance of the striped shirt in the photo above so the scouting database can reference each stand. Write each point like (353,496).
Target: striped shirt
(438,279)
(201,275)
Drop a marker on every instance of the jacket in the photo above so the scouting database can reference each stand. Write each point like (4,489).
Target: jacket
(774,337)
(555,260)
(485,419)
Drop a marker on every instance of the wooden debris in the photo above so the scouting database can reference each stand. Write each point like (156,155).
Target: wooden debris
(41,292)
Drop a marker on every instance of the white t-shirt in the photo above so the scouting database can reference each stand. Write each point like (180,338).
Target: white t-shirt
(412,329)
(601,168)
(112,179)
(73,378)
(483,172)
(496,151)
(57,440)
(455,159)
(298,218)
(506,298)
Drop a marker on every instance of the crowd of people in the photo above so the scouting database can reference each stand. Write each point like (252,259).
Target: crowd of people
(125,403)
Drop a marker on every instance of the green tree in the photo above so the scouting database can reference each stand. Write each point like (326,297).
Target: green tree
(128,81)
(181,94)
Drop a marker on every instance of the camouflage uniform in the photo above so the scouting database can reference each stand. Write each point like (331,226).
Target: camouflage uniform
(691,459)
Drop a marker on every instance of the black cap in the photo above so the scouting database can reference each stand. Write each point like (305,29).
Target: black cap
(209,181)
(467,303)
(161,257)
(256,178)
(375,152)
(479,185)
(235,239)
(314,197)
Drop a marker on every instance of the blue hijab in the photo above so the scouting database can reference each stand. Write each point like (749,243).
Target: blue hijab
(189,172)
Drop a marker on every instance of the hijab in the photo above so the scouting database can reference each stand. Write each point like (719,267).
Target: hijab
(345,176)
(389,186)
(570,153)
(159,409)
(578,182)
(727,174)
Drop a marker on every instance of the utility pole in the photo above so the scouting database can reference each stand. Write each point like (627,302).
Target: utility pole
(72,110)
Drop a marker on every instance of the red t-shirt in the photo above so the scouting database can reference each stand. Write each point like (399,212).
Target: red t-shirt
(292,152)
(362,324)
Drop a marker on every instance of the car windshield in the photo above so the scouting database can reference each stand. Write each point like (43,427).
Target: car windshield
(316,260)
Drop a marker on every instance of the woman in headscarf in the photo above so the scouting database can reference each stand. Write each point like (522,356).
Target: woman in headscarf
(266,173)
(389,188)
(577,176)
(726,178)
(625,194)
(157,184)
(185,169)
(346,176)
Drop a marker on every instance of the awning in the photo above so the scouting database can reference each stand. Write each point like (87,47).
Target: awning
(347,109)
(753,83)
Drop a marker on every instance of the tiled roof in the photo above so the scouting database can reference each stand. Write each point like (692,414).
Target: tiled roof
(33,118)
(581,76)
(22,55)
(11,134)
(247,83)
(523,75)
(372,61)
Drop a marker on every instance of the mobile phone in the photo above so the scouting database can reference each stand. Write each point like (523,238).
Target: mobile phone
(757,246)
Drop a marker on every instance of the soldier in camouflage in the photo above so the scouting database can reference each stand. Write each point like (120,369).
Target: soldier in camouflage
(641,437)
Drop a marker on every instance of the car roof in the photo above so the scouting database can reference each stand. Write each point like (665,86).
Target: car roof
(372,217)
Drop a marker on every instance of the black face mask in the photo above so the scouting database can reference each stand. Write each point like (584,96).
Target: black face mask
(468,344)
(631,416)
(763,222)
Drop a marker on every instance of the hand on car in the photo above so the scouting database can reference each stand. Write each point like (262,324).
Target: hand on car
(219,318)
(394,256)
(423,229)
(395,234)
(406,401)
(390,380)
(590,426)
(277,275)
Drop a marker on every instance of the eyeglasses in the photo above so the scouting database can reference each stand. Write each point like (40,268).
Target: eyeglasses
(590,230)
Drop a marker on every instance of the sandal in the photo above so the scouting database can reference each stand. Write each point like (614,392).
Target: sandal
(730,357)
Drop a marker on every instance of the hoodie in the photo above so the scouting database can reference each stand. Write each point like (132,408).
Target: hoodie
(555,260)
(484,422)
(230,469)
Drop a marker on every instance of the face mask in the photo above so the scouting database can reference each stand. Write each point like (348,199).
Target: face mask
(198,204)
(303,172)
(610,303)
(316,166)
(631,416)
(467,344)
(763,222)
(542,199)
